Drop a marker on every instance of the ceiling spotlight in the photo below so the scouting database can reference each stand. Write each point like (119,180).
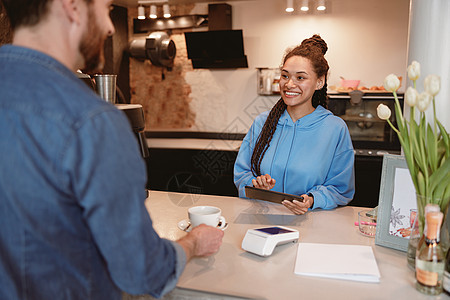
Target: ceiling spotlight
(289,6)
(141,12)
(321,5)
(166,11)
(153,12)
(304,6)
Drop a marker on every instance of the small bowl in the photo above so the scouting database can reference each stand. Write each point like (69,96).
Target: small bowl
(367,225)
(350,83)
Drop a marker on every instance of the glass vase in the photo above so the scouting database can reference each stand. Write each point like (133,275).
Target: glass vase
(417,229)
(445,232)
(413,242)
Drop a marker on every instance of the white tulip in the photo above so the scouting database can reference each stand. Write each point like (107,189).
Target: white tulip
(411,96)
(424,101)
(391,83)
(432,84)
(383,112)
(414,70)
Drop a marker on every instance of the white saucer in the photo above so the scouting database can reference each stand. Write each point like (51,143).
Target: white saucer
(185,225)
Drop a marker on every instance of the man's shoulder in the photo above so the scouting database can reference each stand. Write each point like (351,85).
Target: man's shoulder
(59,98)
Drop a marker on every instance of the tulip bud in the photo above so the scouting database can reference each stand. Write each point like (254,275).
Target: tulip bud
(432,84)
(414,70)
(424,101)
(421,182)
(391,83)
(383,112)
(411,96)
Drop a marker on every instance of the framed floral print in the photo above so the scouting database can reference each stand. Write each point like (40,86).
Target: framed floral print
(397,207)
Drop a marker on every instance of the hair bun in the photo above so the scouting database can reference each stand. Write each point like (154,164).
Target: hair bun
(317,42)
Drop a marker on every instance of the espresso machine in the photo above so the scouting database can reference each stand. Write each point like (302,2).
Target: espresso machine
(105,87)
(135,115)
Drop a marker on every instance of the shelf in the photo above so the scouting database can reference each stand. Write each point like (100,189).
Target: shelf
(268,81)
(176,22)
(362,119)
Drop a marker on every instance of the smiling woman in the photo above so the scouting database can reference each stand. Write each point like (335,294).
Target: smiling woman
(311,154)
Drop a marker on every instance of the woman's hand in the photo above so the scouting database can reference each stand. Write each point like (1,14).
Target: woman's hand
(264,182)
(299,207)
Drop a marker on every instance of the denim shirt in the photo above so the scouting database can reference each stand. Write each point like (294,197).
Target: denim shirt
(73,224)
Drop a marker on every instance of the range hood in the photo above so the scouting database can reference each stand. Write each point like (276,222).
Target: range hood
(216,49)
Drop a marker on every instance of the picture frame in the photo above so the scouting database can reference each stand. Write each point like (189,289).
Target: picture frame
(397,204)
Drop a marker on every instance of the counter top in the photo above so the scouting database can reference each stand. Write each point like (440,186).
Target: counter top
(237,273)
(193,140)
(195,144)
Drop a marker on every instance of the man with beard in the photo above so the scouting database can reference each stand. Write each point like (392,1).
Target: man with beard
(73,224)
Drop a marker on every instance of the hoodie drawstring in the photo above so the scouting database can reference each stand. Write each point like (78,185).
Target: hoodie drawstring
(289,156)
(276,150)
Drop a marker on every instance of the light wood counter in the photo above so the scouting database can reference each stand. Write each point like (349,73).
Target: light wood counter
(232,271)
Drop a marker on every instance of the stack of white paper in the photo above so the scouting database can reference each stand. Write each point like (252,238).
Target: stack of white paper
(350,262)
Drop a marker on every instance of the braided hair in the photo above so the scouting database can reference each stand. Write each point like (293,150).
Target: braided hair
(314,49)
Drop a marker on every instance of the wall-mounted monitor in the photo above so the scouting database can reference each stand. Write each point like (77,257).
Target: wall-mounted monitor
(216,49)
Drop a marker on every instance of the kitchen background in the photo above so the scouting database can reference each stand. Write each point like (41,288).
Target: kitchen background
(367,40)
(195,118)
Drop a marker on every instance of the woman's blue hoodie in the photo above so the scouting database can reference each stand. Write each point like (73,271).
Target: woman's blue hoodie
(313,155)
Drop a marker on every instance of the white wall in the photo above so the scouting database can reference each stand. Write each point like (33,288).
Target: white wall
(367,40)
(429,44)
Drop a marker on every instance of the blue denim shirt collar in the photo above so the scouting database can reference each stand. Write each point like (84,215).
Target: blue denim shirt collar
(34,56)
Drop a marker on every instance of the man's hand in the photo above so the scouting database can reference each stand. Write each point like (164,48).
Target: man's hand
(203,240)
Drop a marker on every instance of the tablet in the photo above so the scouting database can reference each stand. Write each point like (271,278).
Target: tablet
(268,195)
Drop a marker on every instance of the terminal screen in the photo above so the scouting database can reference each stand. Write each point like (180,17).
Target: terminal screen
(274,230)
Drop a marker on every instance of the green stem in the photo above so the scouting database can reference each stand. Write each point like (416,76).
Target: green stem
(393,127)
(397,103)
(412,130)
(422,143)
(434,115)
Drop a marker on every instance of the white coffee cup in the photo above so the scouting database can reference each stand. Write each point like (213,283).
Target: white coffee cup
(209,215)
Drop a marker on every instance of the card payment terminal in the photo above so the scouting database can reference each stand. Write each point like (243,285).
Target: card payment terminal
(262,241)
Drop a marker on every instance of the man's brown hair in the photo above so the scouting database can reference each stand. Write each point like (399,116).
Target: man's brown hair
(26,12)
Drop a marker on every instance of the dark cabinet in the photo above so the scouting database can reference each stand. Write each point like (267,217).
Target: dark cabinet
(211,172)
(191,171)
